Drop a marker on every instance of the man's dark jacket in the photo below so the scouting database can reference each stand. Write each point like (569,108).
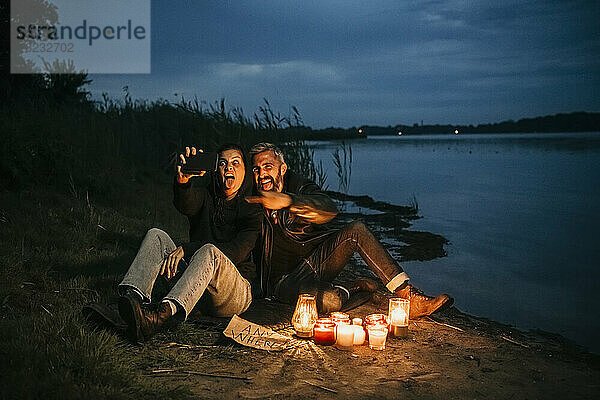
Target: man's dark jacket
(307,198)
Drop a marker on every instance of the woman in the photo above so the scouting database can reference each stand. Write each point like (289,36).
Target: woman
(223,230)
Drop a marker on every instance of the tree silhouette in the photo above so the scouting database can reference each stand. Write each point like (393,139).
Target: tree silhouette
(42,87)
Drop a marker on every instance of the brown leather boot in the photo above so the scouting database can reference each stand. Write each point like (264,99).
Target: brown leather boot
(421,304)
(143,320)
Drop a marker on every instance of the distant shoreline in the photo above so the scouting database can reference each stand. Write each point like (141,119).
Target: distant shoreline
(463,134)
(575,122)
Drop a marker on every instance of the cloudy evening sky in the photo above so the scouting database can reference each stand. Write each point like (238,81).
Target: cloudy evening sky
(348,63)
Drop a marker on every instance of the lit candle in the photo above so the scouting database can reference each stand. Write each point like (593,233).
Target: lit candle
(398,317)
(359,332)
(359,335)
(324,332)
(305,315)
(377,337)
(375,319)
(345,336)
(304,320)
(340,318)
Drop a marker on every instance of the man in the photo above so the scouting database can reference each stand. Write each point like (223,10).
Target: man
(298,254)
(223,231)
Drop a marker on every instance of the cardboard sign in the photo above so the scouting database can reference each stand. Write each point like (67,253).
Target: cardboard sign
(252,335)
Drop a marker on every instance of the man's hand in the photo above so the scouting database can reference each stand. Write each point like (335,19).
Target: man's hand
(307,215)
(271,200)
(189,152)
(169,264)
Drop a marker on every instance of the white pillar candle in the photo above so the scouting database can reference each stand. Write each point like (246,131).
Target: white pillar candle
(377,338)
(345,336)
(359,335)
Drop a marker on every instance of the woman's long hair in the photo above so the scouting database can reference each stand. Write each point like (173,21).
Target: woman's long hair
(219,188)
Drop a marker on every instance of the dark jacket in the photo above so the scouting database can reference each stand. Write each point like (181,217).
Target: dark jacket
(233,226)
(307,197)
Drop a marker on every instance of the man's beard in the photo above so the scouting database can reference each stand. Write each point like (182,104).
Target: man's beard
(279,182)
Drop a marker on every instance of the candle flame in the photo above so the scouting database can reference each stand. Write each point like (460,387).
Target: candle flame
(304,319)
(399,317)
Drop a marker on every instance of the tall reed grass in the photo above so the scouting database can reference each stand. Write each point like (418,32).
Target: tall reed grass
(342,160)
(103,147)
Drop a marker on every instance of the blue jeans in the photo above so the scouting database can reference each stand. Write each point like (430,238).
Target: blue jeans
(210,278)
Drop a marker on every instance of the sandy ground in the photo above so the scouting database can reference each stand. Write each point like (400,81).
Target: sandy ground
(467,358)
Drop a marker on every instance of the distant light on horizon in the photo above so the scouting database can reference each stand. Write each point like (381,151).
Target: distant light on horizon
(399,133)
(360,131)
(456,131)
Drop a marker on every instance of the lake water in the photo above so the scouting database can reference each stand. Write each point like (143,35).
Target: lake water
(521,212)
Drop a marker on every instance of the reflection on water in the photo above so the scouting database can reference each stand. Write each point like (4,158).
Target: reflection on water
(521,213)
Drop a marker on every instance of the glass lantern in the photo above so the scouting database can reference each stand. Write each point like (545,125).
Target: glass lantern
(305,316)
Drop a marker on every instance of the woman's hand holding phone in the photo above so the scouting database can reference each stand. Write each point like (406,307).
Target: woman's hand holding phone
(185,177)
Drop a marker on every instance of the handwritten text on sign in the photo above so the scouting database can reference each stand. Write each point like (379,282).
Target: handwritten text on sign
(253,335)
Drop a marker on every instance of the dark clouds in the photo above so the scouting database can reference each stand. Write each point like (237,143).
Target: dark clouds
(348,63)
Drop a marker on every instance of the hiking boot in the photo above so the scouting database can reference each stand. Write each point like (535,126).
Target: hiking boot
(421,304)
(363,285)
(143,321)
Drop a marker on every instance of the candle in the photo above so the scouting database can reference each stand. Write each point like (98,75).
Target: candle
(304,320)
(377,337)
(324,332)
(359,332)
(374,319)
(359,335)
(398,317)
(305,315)
(345,336)
(340,318)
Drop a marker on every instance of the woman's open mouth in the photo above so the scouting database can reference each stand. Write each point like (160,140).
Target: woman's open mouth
(229,180)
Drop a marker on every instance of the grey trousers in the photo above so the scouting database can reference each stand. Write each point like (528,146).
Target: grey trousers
(210,278)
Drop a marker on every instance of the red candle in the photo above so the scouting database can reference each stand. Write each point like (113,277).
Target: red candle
(324,332)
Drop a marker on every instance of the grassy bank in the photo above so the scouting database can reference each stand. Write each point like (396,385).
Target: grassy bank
(59,252)
(79,186)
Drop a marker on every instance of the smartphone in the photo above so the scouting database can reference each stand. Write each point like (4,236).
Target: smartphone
(205,161)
